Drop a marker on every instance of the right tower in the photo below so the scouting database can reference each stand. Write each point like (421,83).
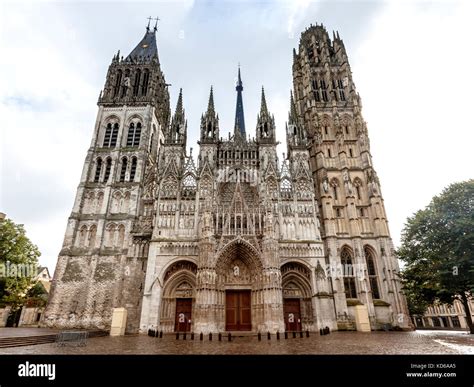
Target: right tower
(354,224)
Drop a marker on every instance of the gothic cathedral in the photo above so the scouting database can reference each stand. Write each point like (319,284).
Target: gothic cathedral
(236,241)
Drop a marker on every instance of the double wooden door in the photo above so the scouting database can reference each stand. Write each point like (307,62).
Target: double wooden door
(238,310)
(292,313)
(184,308)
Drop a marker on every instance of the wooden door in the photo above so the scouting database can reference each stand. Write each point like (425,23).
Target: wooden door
(183,314)
(238,310)
(292,312)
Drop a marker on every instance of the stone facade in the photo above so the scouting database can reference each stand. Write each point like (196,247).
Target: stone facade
(238,240)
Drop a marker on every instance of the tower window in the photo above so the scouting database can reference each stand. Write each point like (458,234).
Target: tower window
(342,95)
(146,77)
(134,132)
(349,279)
(113,138)
(338,212)
(350,152)
(371,271)
(108,167)
(334,190)
(133,168)
(362,212)
(326,131)
(108,133)
(358,192)
(98,168)
(136,84)
(347,129)
(329,152)
(324,92)
(123,170)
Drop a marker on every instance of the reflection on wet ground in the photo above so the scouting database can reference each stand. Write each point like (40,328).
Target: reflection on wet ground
(417,342)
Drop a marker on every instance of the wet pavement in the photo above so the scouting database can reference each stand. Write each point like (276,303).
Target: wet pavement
(417,342)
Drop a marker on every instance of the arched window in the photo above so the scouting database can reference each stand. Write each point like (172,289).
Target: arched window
(108,133)
(136,84)
(123,170)
(121,235)
(108,167)
(113,139)
(133,168)
(334,185)
(146,77)
(98,168)
(372,272)
(348,273)
(134,132)
(118,81)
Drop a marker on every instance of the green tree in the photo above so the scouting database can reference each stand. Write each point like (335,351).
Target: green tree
(18,263)
(438,249)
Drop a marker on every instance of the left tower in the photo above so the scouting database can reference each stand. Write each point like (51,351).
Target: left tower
(102,263)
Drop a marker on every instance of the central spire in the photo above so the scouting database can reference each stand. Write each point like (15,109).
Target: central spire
(239,110)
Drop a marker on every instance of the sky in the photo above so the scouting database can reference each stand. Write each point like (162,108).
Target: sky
(412,64)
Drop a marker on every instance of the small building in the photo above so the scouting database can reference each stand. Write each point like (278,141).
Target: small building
(444,316)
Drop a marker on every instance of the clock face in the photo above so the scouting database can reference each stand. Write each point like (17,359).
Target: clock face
(144,45)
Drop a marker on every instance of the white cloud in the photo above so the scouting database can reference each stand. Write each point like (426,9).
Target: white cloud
(413,74)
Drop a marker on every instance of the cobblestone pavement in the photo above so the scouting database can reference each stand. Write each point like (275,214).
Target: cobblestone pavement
(418,342)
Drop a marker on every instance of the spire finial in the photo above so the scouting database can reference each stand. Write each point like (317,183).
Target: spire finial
(156,23)
(210,105)
(263,104)
(148,26)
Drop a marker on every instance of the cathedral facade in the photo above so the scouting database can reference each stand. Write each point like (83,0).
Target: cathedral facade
(235,240)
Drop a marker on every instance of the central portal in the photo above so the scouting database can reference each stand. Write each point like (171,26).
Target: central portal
(238,310)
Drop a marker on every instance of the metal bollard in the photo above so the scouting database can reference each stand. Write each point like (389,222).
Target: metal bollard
(220,336)
(320,331)
(161,334)
(192,335)
(184,336)
(149,332)
(307,333)
(259,336)
(329,330)
(278,335)
(269,337)
(294,334)
(177,335)
(210,336)
(301,334)
(229,337)
(286,334)
(201,336)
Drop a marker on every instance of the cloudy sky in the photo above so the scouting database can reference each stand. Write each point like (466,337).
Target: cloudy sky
(412,63)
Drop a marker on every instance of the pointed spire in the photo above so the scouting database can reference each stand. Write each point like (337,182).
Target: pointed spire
(210,105)
(179,104)
(239,127)
(263,104)
(292,117)
(147,48)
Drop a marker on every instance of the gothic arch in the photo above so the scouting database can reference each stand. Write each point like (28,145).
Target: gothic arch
(134,118)
(179,282)
(238,248)
(296,288)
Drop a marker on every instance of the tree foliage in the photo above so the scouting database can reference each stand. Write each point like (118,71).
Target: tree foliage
(438,249)
(17,254)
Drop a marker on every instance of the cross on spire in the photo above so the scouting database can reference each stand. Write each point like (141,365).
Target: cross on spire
(156,22)
(148,26)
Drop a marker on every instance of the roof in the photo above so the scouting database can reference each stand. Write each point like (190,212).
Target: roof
(146,48)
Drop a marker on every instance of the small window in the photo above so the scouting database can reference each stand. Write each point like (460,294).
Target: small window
(113,139)
(123,170)
(347,129)
(108,133)
(108,167)
(362,212)
(325,130)
(329,152)
(133,168)
(350,152)
(338,212)
(98,168)
(358,192)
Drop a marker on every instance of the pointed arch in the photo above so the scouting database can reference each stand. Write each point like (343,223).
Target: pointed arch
(98,169)
(347,262)
(91,236)
(123,169)
(369,254)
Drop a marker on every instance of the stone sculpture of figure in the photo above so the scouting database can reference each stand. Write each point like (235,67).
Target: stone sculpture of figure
(340,138)
(347,182)
(318,137)
(325,185)
(206,219)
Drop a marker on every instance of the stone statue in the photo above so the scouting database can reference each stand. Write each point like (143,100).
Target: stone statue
(347,182)
(325,185)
